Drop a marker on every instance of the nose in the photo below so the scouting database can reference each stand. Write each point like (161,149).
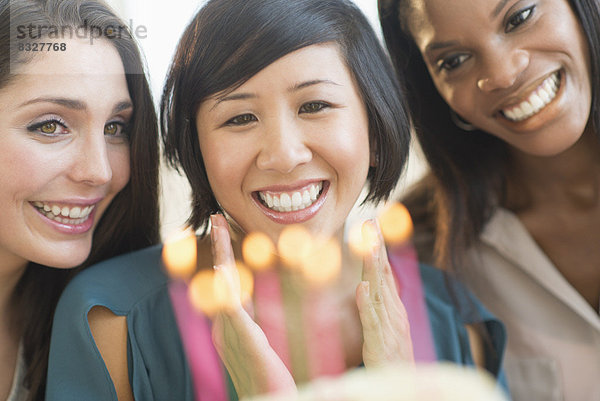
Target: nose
(283,146)
(91,164)
(503,69)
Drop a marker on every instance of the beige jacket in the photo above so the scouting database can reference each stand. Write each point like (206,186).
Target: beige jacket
(553,350)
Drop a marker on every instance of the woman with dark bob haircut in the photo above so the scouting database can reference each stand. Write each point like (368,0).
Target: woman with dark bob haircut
(279,112)
(245,55)
(505,97)
(79,165)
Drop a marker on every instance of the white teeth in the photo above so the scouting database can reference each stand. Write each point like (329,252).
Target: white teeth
(545,97)
(65,214)
(536,101)
(527,108)
(296,200)
(288,202)
(306,198)
(75,213)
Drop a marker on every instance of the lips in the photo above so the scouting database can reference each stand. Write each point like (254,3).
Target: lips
(536,101)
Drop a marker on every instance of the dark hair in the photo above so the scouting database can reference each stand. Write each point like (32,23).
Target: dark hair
(469,171)
(229,41)
(131,220)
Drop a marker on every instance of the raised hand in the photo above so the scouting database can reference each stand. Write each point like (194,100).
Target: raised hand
(253,365)
(386,330)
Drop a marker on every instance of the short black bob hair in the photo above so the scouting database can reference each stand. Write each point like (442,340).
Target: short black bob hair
(229,41)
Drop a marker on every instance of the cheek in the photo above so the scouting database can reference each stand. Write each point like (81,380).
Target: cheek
(226,163)
(457,98)
(457,94)
(347,148)
(27,167)
(120,164)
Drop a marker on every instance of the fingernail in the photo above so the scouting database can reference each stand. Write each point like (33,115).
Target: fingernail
(213,234)
(365,285)
(213,228)
(376,223)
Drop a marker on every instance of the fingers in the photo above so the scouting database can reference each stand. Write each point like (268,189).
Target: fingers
(220,241)
(227,280)
(377,271)
(369,317)
(386,330)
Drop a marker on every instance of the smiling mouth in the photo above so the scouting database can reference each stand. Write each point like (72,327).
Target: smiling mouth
(291,201)
(537,100)
(71,215)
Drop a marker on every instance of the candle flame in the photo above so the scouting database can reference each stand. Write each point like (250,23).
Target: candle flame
(258,251)
(362,238)
(295,242)
(211,292)
(246,282)
(323,263)
(179,255)
(396,224)
(201,293)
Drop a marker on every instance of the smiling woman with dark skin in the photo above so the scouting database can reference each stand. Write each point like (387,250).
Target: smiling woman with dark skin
(505,100)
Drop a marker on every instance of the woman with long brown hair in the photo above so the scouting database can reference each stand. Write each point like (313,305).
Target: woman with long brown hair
(79,162)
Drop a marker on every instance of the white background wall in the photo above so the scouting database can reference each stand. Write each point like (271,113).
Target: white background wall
(165,21)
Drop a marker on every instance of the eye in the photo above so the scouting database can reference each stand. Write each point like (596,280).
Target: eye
(242,119)
(51,127)
(313,107)
(518,18)
(114,129)
(452,62)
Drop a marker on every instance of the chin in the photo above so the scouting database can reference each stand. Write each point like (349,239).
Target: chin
(545,147)
(63,259)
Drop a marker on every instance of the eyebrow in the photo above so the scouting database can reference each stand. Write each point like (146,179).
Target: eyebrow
(233,96)
(68,103)
(296,87)
(498,8)
(75,104)
(122,106)
(439,45)
(313,82)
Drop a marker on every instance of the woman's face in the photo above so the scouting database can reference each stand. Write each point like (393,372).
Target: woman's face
(289,146)
(64,154)
(518,69)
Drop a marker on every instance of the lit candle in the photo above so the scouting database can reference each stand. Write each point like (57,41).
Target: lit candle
(397,228)
(179,258)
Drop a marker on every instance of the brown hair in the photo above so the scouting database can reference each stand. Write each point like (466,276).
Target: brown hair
(131,221)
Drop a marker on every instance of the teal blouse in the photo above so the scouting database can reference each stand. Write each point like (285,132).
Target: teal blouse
(135,286)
